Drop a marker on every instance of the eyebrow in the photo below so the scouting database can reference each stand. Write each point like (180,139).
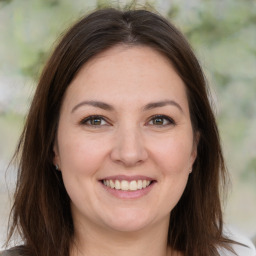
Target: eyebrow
(162,104)
(97,104)
(105,106)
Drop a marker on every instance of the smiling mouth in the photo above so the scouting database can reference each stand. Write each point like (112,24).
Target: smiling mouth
(126,185)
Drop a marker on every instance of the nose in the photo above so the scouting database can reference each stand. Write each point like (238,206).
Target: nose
(129,148)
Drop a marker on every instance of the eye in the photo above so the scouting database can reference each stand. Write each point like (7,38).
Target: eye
(161,120)
(94,121)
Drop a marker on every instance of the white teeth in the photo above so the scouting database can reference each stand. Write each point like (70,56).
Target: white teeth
(117,184)
(127,185)
(133,185)
(144,183)
(139,184)
(112,184)
(124,185)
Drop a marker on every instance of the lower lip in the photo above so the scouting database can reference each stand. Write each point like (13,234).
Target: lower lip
(129,194)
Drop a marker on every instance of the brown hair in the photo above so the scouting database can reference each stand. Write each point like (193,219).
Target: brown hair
(41,211)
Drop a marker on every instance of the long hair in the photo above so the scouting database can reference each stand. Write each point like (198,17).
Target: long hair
(41,211)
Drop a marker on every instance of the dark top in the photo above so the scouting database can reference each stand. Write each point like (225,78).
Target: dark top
(15,251)
(247,250)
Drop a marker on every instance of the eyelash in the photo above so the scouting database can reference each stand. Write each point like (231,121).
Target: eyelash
(88,119)
(163,117)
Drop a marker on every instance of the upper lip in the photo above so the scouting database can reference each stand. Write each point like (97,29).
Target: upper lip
(128,178)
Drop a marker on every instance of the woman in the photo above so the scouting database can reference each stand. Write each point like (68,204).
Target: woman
(120,154)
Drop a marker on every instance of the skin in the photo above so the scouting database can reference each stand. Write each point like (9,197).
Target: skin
(129,141)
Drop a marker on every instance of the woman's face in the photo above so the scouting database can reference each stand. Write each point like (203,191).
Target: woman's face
(125,142)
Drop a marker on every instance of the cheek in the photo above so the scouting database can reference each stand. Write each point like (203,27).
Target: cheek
(173,155)
(81,159)
(174,160)
(81,154)
(173,164)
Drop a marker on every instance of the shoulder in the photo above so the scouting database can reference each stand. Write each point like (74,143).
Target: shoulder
(15,251)
(239,251)
(247,250)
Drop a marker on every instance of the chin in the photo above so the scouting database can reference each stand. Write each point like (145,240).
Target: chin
(128,222)
(127,227)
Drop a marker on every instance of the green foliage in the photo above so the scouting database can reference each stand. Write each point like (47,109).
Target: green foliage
(10,128)
(252,166)
(3,2)
(173,12)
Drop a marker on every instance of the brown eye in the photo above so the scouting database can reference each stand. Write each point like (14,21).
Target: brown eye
(161,120)
(158,121)
(94,121)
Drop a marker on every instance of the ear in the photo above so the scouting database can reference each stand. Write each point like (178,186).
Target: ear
(194,148)
(56,158)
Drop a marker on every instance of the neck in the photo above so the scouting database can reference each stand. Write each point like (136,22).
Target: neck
(94,241)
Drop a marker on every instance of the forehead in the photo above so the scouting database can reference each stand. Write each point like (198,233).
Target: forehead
(123,57)
(123,73)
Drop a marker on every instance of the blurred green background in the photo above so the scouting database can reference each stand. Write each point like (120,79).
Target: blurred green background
(223,35)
